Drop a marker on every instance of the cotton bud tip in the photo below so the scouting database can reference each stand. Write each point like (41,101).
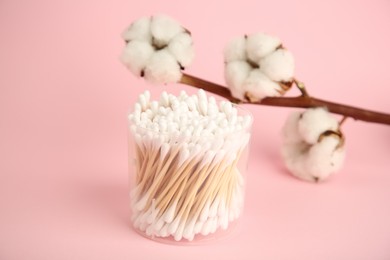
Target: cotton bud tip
(257,66)
(157,48)
(313,145)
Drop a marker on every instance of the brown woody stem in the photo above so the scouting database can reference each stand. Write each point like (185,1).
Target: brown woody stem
(342,121)
(301,102)
(301,88)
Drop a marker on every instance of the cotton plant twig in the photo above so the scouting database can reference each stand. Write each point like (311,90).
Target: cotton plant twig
(301,87)
(303,101)
(258,68)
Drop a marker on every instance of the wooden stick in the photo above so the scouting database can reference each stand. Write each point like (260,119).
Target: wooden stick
(211,193)
(171,191)
(138,160)
(190,186)
(204,181)
(200,178)
(219,184)
(173,180)
(154,185)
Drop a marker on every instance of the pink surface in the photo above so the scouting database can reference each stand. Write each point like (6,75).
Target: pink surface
(63,103)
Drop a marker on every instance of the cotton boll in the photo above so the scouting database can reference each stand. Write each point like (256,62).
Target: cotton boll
(162,68)
(235,50)
(259,45)
(290,131)
(308,153)
(279,65)
(314,122)
(294,156)
(236,73)
(136,55)
(325,157)
(269,65)
(138,30)
(182,49)
(260,86)
(157,48)
(164,28)
(292,153)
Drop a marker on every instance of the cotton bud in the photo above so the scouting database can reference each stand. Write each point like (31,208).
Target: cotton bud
(257,66)
(313,146)
(157,48)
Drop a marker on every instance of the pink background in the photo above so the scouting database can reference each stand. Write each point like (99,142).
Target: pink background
(64,97)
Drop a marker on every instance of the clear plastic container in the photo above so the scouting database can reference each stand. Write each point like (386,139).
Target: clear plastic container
(187,190)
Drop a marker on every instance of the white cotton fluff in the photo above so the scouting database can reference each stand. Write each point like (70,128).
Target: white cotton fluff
(325,157)
(316,162)
(279,65)
(136,55)
(164,28)
(260,45)
(235,50)
(311,161)
(236,73)
(266,67)
(162,68)
(157,47)
(260,86)
(181,49)
(290,131)
(314,122)
(294,159)
(138,30)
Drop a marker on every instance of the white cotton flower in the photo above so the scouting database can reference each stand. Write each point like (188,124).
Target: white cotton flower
(325,157)
(138,30)
(236,73)
(271,64)
(294,160)
(158,48)
(314,122)
(162,68)
(164,28)
(260,86)
(181,48)
(313,147)
(260,45)
(279,65)
(290,131)
(235,50)
(136,55)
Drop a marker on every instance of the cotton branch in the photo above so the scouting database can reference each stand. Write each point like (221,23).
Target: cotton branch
(300,102)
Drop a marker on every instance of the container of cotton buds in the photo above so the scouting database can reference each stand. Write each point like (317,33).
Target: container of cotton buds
(187,163)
